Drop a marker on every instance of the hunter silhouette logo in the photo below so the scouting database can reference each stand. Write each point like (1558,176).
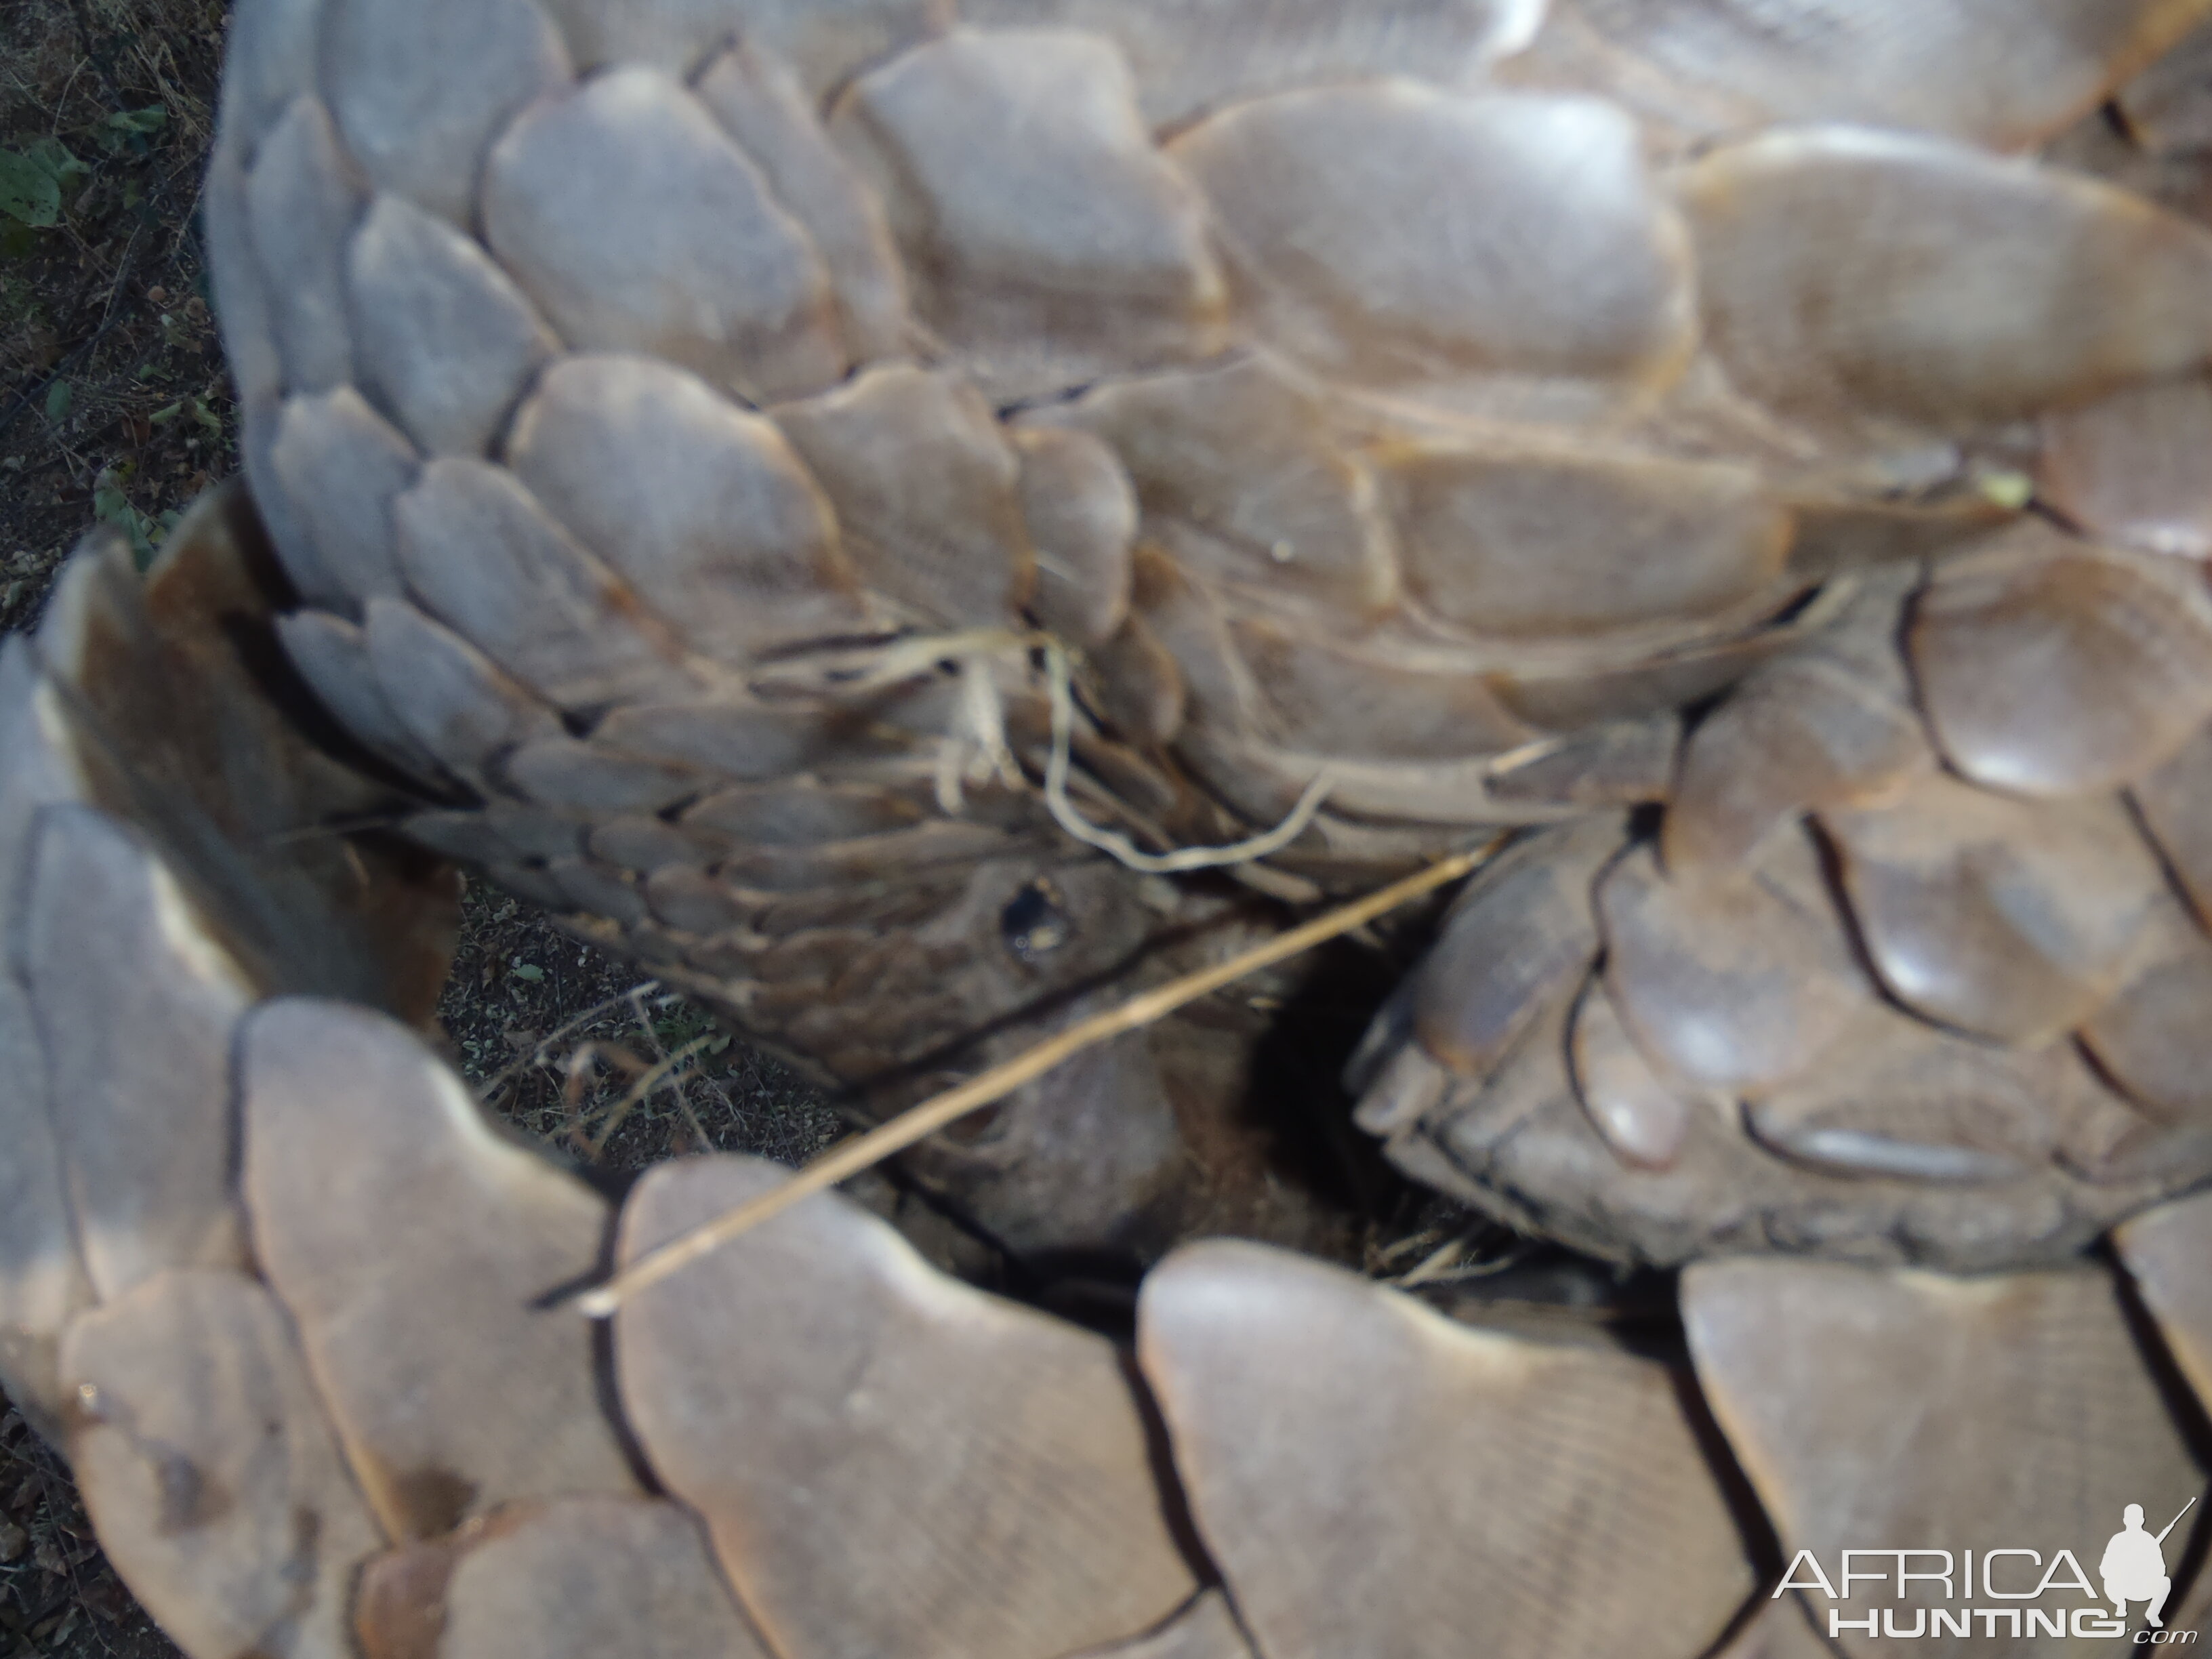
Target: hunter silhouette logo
(1997,1593)
(2134,1567)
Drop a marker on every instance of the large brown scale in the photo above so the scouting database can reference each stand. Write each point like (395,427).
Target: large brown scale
(847,504)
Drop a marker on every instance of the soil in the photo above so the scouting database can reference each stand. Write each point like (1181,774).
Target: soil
(114,406)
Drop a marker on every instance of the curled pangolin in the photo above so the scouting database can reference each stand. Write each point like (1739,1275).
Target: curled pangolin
(1755,452)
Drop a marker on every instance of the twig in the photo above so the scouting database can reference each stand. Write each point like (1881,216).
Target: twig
(864,1151)
(543,1052)
(638,1090)
(1436,1264)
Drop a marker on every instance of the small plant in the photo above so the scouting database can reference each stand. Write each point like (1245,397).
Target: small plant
(33,179)
(190,407)
(128,131)
(37,179)
(111,506)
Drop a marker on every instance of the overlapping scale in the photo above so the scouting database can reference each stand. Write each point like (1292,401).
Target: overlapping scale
(1644,1119)
(1080,510)
(1735,979)
(1623,762)
(2150,1037)
(533,600)
(1516,1470)
(573,198)
(135,702)
(1402,236)
(342,464)
(2051,667)
(1565,692)
(1266,506)
(1998,916)
(269,55)
(1379,704)
(2164,1250)
(2129,468)
(144,1128)
(1841,534)
(176,725)
(1830,725)
(206,1464)
(355,1136)
(1993,1038)
(1997,72)
(1809,1368)
(1516,945)
(1454,1143)
(783,1386)
(1238,477)
(446,341)
(1190,59)
(1576,1121)
(561,1580)
(2166,105)
(2175,804)
(418,89)
(1886,287)
(192,1425)
(827,40)
(300,199)
(1043,235)
(450,697)
(925,489)
(42,1275)
(1525,542)
(1912,1101)
(757,98)
(700,505)
(1600,1152)
(561,772)
(1204,1629)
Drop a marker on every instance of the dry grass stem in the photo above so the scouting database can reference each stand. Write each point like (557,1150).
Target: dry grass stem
(1120,847)
(655,1075)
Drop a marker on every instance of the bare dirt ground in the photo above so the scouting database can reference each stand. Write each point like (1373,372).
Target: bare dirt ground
(114,408)
(113,401)
(592,1056)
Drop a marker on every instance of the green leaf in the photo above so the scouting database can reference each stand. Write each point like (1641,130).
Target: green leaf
(53,157)
(32,182)
(125,131)
(28,193)
(111,506)
(59,397)
(530,971)
(163,417)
